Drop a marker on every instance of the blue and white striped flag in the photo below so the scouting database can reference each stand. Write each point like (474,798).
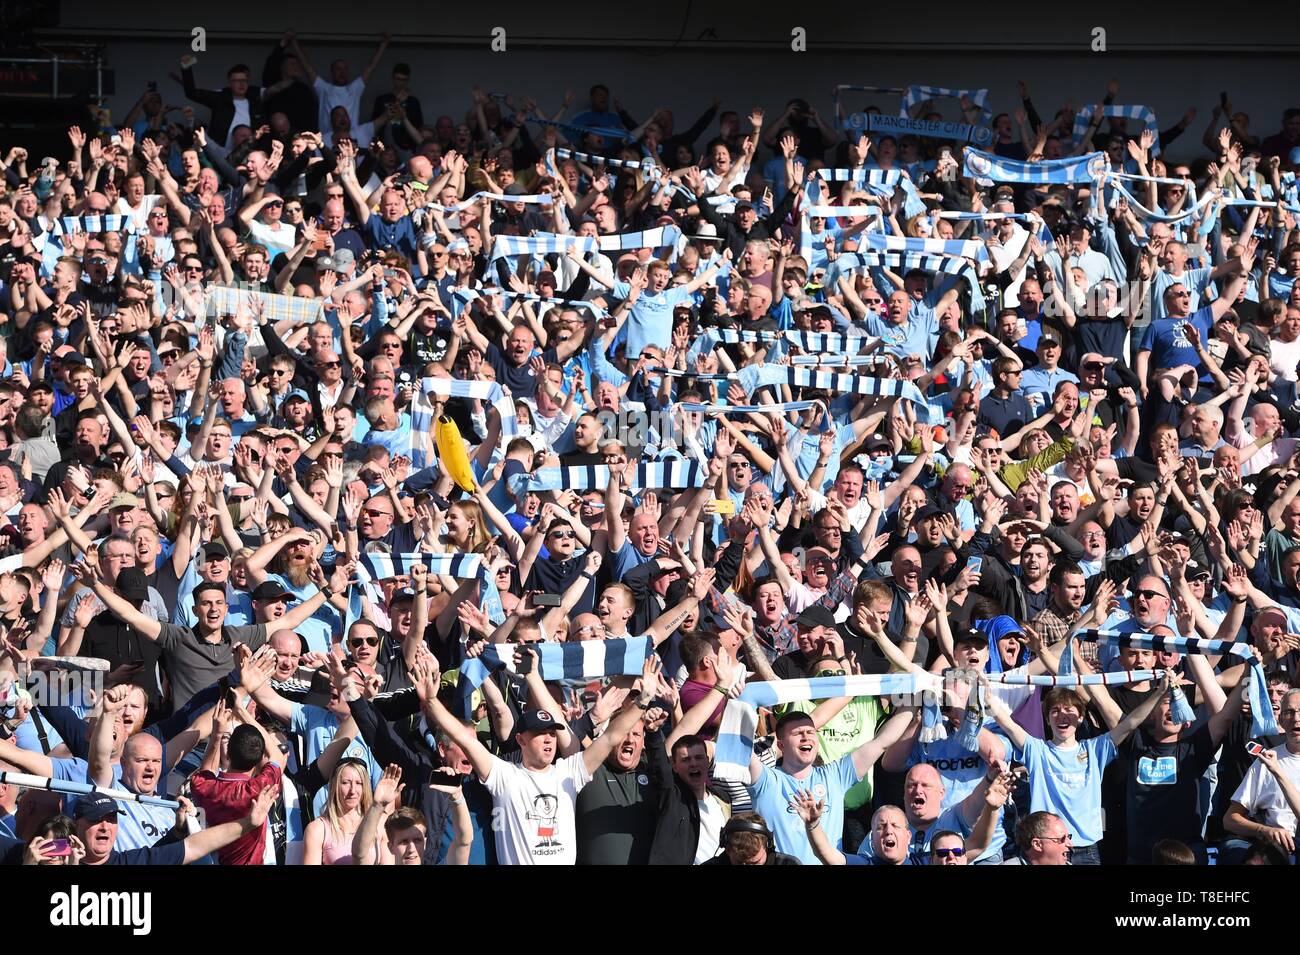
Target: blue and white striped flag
(988,167)
(574,660)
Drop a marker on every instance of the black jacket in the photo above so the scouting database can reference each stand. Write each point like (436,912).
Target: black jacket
(222,104)
(761,230)
(677,833)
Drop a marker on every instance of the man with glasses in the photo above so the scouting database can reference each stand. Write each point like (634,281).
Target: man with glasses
(1166,344)
(280,380)
(1005,410)
(1043,840)
(262,219)
(379,523)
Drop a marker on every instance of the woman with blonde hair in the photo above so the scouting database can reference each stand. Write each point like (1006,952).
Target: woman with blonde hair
(466,530)
(328,838)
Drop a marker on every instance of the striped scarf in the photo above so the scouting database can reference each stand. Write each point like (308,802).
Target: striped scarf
(109,222)
(1144,114)
(1261,711)
(650,168)
(856,261)
(70,788)
(753,377)
(373,567)
(735,742)
(851,360)
(422,419)
(670,473)
(605,132)
(915,95)
(532,200)
(576,660)
(989,168)
(835,342)
(960,248)
(468,295)
(1195,209)
(547,243)
(781,408)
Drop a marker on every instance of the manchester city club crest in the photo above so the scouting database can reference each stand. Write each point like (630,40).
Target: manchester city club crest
(980,165)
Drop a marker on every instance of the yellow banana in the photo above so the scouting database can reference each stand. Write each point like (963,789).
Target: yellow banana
(451,452)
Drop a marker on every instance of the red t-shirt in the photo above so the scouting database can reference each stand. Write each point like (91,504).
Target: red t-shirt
(228,797)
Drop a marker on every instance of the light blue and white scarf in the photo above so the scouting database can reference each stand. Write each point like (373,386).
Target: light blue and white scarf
(849,262)
(573,660)
(1194,207)
(735,741)
(989,168)
(1144,114)
(540,199)
(961,248)
(469,294)
(668,473)
(107,222)
(547,243)
(1263,722)
(916,94)
(373,567)
(422,420)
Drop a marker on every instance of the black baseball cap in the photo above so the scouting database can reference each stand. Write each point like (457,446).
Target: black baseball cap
(815,616)
(269,590)
(132,585)
(536,721)
(96,807)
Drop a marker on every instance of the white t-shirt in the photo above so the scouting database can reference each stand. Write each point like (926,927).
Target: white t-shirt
(1283,358)
(532,813)
(275,239)
(711,822)
(1262,797)
(242,116)
(348,97)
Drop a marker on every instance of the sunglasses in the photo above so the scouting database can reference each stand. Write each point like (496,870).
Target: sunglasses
(1150,594)
(956,852)
(371,512)
(330,364)
(563,535)
(367,641)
